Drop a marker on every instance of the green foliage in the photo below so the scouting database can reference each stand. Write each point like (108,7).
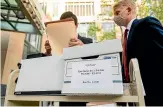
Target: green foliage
(157,9)
(104,3)
(151,8)
(143,9)
(110,13)
(106,6)
(108,35)
(116,1)
(92,30)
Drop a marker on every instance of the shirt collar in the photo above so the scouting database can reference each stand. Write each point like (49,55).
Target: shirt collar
(130,23)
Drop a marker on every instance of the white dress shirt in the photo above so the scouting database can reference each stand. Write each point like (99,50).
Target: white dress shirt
(129,26)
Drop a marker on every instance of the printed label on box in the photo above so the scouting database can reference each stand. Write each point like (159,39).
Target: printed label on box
(92,74)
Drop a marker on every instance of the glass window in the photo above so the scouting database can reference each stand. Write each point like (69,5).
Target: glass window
(27,37)
(77,9)
(25,51)
(33,40)
(33,50)
(55,9)
(93,9)
(106,9)
(71,8)
(80,8)
(66,7)
(107,26)
(39,42)
(87,10)
(83,10)
(44,6)
(32,44)
(83,29)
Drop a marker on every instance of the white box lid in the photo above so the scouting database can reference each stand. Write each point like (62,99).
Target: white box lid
(106,47)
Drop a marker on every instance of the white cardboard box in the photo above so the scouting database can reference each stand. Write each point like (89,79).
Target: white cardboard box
(42,75)
(98,76)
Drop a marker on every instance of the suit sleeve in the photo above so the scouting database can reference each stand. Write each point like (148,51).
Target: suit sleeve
(88,40)
(85,40)
(156,31)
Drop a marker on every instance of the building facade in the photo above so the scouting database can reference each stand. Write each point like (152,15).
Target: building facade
(87,12)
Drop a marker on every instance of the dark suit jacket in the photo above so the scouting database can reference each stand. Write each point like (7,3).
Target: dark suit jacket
(85,40)
(145,42)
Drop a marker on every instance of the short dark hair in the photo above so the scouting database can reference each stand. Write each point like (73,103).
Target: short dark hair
(69,14)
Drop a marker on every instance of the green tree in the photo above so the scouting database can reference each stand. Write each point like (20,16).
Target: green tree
(151,8)
(143,9)
(107,12)
(108,35)
(115,1)
(157,9)
(92,30)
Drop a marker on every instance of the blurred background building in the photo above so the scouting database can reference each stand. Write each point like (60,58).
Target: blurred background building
(88,12)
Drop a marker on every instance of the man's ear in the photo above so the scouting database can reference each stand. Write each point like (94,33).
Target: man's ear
(129,9)
(76,26)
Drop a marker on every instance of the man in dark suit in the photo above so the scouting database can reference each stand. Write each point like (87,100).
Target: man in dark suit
(143,39)
(73,41)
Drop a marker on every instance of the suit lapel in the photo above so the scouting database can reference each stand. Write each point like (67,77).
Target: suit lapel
(130,43)
(131,31)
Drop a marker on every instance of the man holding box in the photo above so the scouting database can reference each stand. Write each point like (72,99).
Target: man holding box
(79,40)
(143,39)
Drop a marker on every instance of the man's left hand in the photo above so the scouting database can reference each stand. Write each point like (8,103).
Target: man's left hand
(75,42)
